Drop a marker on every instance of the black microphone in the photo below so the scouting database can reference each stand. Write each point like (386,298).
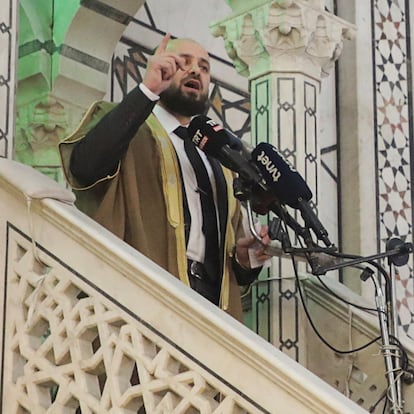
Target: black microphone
(223,145)
(288,186)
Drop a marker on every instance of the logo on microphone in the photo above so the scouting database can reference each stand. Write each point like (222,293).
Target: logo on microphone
(214,125)
(199,139)
(271,168)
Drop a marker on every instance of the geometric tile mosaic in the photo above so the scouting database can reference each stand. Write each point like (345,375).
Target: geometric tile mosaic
(394,137)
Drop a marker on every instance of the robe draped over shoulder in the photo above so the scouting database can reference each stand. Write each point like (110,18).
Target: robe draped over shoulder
(142,201)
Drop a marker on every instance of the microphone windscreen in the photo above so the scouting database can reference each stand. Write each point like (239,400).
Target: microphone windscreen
(284,181)
(207,135)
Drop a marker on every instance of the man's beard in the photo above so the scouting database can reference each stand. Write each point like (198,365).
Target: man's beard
(186,105)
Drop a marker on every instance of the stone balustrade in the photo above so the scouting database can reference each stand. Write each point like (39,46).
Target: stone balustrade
(89,325)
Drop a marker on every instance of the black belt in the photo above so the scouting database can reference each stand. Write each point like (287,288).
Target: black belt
(201,282)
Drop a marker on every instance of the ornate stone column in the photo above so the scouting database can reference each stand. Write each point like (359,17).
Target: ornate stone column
(285,48)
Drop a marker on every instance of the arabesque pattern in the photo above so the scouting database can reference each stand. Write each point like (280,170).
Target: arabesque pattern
(70,347)
(394,131)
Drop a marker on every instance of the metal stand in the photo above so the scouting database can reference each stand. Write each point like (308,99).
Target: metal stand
(322,260)
(394,385)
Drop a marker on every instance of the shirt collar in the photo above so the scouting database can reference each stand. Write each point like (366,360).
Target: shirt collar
(167,120)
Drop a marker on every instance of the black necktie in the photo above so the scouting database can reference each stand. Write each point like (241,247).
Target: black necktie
(212,259)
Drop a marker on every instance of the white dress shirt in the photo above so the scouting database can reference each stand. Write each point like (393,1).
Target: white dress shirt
(196,241)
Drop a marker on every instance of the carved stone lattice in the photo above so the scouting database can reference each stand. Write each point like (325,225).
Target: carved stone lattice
(71,348)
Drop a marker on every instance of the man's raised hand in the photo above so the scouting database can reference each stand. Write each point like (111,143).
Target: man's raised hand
(161,67)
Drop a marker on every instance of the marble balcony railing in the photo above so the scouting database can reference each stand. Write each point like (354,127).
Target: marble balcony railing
(89,325)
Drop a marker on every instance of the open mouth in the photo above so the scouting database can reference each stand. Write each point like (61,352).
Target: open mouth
(193,84)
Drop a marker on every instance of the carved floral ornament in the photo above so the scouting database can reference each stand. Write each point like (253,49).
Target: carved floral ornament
(47,124)
(284,35)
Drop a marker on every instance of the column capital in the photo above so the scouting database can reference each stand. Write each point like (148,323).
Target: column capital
(283,36)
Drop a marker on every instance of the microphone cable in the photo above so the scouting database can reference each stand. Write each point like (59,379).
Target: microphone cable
(404,371)
(333,293)
(311,322)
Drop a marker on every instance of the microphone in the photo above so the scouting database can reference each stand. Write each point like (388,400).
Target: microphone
(269,174)
(288,186)
(226,147)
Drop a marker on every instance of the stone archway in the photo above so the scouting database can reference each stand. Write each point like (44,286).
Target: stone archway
(64,63)
(87,49)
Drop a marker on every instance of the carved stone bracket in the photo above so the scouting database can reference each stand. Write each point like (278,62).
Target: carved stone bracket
(284,36)
(40,125)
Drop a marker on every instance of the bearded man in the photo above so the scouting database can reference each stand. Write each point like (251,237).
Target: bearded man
(131,167)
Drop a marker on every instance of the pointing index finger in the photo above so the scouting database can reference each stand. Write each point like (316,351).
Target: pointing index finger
(163,45)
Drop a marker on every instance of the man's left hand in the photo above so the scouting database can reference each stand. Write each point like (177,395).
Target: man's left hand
(244,244)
